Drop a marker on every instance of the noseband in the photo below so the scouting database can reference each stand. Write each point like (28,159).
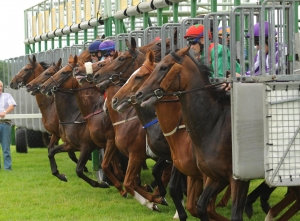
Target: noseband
(27,76)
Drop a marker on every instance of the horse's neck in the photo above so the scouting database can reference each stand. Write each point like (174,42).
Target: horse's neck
(145,115)
(67,107)
(169,115)
(87,100)
(44,102)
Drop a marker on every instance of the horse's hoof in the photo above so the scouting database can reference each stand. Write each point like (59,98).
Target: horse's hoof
(62,177)
(103,185)
(249,210)
(155,208)
(164,202)
(125,195)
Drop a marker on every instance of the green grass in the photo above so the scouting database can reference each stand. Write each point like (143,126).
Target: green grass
(30,192)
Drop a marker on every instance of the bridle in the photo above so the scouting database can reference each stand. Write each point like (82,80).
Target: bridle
(57,84)
(117,78)
(27,76)
(159,93)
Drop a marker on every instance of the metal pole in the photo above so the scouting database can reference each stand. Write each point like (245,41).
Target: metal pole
(145,20)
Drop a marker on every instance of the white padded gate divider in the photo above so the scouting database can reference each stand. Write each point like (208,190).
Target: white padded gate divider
(247,130)
(282,138)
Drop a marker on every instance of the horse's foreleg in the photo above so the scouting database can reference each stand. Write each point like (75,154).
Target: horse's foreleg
(85,154)
(157,172)
(176,192)
(239,190)
(111,151)
(53,141)
(194,191)
(223,202)
(132,187)
(212,188)
(57,149)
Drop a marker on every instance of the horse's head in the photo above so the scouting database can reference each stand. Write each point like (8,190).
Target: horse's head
(29,72)
(33,87)
(125,96)
(120,68)
(162,80)
(86,72)
(58,80)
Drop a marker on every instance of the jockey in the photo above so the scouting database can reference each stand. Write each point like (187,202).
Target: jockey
(107,49)
(195,37)
(256,30)
(94,51)
(227,35)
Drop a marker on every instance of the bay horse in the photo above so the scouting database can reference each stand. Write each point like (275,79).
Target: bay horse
(159,171)
(130,136)
(207,116)
(90,101)
(171,126)
(29,72)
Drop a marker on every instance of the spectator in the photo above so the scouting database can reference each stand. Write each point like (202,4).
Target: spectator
(94,51)
(7,105)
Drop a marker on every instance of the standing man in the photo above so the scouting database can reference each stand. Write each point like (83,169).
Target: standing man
(7,105)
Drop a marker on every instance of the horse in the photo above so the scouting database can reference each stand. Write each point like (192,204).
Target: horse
(29,72)
(171,125)
(125,64)
(207,116)
(85,73)
(90,101)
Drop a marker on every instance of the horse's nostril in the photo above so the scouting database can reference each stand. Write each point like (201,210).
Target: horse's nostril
(28,86)
(114,100)
(139,94)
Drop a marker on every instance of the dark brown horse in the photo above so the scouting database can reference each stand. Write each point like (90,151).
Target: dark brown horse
(207,116)
(90,101)
(173,128)
(29,72)
(127,123)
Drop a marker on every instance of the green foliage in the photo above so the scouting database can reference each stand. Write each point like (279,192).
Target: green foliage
(31,192)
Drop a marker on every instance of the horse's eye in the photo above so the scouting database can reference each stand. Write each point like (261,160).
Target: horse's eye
(159,44)
(47,74)
(26,69)
(163,68)
(138,77)
(121,59)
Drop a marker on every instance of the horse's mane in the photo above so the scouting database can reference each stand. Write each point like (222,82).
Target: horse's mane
(44,65)
(218,92)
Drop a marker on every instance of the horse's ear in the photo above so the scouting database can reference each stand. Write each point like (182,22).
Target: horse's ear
(70,59)
(150,56)
(185,50)
(133,43)
(127,43)
(58,64)
(116,54)
(175,36)
(75,59)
